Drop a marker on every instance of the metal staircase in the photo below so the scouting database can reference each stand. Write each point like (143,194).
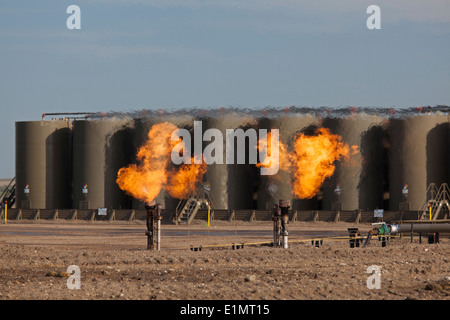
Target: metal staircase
(437,200)
(188,208)
(9,194)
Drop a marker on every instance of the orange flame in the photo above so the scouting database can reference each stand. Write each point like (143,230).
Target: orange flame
(184,181)
(270,161)
(355,150)
(145,180)
(310,161)
(313,160)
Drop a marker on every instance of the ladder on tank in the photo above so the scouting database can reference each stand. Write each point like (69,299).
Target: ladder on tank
(189,208)
(9,194)
(437,200)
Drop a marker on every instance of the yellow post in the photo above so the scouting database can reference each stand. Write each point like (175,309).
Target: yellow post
(209,215)
(430,212)
(6,211)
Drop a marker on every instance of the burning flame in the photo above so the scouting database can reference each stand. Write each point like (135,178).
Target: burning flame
(282,161)
(145,180)
(355,150)
(310,161)
(313,160)
(183,181)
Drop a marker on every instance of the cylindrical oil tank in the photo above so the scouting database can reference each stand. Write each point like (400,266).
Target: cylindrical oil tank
(100,149)
(272,188)
(361,177)
(43,164)
(142,127)
(232,185)
(417,157)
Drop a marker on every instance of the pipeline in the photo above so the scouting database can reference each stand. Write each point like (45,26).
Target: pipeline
(75,115)
(384,229)
(421,227)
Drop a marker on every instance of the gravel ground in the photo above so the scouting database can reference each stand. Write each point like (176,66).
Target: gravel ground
(114,263)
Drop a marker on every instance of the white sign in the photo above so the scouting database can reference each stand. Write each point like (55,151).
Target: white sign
(378,213)
(102,211)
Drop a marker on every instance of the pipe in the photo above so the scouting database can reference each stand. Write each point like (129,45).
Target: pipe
(285,241)
(284,209)
(158,226)
(276,213)
(153,225)
(149,206)
(158,241)
(67,113)
(421,228)
(387,229)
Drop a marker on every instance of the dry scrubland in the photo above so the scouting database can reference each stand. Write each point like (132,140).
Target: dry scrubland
(114,263)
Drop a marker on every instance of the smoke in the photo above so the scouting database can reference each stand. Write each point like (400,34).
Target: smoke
(271,112)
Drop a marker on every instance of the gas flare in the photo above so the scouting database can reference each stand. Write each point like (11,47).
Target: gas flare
(145,180)
(185,180)
(310,161)
(313,160)
(268,145)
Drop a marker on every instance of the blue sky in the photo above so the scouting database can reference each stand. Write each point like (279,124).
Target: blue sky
(144,54)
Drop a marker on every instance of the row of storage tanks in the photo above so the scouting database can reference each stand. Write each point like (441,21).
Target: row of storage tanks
(56,159)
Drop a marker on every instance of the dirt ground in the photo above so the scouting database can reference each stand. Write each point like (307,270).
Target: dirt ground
(114,263)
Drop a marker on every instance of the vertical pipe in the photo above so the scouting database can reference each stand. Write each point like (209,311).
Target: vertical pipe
(284,210)
(275,219)
(285,241)
(412,228)
(209,215)
(158,226)
(153,225)
(150,206)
